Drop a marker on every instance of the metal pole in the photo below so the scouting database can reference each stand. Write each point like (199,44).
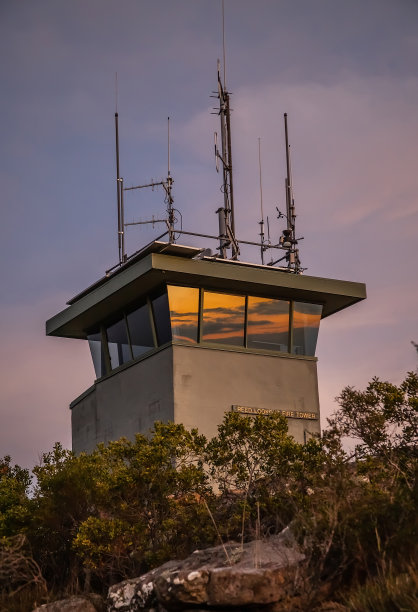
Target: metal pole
(169,181)
(168,145)
(118,190)
(288,179)
(122,221)
(231,186)
(261,203)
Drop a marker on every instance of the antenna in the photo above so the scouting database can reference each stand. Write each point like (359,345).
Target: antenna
(167,185)
(225,214)
(119,192)
(269,241)
(168,146)
(288,239)
(262,248)
(228,244)
(223,41)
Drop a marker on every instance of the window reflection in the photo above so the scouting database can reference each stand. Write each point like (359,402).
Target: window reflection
(118,344)
(223,318)
(184,313)
(97,353)
(306,318)
(268,324)
(161,318)
(175,313)
(140,331)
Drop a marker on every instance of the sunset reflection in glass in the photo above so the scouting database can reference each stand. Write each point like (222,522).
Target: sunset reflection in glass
(268,324)
(306,318)
(184,313)
(223,318)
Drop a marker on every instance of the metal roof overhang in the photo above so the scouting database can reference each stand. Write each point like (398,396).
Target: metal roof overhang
(129,283)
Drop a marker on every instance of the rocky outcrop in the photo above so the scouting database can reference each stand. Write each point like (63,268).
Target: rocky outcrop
(260,573)
(87,603)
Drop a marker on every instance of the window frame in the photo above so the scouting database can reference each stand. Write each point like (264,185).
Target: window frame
(163,288)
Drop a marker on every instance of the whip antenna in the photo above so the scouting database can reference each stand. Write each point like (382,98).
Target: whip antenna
(223,42)
(168,187)
(262,248)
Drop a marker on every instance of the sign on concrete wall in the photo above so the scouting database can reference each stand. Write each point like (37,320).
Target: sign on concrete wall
(290,414)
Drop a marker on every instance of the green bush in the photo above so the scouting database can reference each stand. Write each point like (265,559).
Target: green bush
(94,519)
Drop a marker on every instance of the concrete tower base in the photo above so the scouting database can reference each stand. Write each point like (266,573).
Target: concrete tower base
(196,386)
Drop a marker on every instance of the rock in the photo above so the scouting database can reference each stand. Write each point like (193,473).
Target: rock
(88,603)
(182,586)
(259,573)
(136,593)
(235,586)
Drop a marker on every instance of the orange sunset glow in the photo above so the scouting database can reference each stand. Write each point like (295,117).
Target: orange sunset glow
(223,318)
(184,308)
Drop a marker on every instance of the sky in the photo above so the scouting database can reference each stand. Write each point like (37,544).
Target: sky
(345,72)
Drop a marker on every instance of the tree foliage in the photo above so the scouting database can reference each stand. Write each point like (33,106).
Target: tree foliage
(14,487)
(94,519)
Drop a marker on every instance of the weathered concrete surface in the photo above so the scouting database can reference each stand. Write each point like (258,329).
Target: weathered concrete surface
(89,603)
(260,573)
(273,382)
(173,385)
(126,403)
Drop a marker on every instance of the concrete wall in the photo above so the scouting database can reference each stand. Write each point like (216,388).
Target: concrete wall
(195,386)
(207,382)
(128,402)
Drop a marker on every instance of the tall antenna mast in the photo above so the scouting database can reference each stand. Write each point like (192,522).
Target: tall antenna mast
(119,192)
(119,184)
(167,188)
(226,213)
(262,248)
(288,239)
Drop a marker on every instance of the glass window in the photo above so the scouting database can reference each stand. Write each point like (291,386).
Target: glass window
(268,324)
(184,310)
(306,318)
(117,341)
(140,331)
(223,318)
(161,318)
(97,353)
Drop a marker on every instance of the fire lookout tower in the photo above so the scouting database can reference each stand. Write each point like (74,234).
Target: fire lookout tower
(179,334)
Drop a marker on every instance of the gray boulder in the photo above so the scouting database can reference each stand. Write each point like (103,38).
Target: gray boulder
(136,593)
(259,573)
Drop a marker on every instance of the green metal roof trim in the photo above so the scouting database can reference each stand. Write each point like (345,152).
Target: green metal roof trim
(125,286)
